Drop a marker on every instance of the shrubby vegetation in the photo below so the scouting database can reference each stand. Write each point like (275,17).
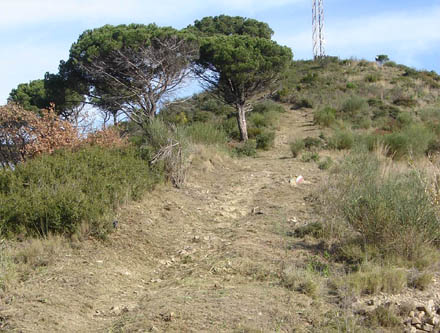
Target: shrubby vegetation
(58,193)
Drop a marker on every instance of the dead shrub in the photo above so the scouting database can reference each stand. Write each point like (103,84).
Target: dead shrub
(25,134)
(107,137)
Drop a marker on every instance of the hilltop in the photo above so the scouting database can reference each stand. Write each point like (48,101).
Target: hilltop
(246,245)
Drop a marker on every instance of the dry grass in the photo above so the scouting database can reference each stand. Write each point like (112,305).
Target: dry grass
(20,260)
(372,279)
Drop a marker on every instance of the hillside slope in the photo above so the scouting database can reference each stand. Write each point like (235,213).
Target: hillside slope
(221,254)
(207,257)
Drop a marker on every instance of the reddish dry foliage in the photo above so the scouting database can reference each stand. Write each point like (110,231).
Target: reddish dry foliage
(25,134)
(108,137)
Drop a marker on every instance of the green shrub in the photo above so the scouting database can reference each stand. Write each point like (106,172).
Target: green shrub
(393,214)
(314,229)
(383,317)
(310,156)
(414,139)
(267,119)
(265,140)
(371,78)
(353,107)
(258,120)
(372,279)
(253,132)
(296,147)
(350,85)
(249,148)
(230,126)
(302,103)
(310,142)
(310,78)
(57,193)
(341,139)
(406,102)
(206,133)
(325,117)
(419,280)
(431,115)
(282,95)
(267,106)
(404,119)
(390,64)
(325,164)
(374,102)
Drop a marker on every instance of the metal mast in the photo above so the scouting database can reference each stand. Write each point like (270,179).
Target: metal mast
(318,28)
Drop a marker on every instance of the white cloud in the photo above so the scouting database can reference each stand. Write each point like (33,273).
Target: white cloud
(21,12)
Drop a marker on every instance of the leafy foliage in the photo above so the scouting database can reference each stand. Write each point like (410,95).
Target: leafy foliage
(31,96)
(132,67)
(239,67)
(231,25)
(57,193)
(41,94)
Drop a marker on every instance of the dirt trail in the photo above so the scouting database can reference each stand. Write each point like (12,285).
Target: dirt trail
(204,258)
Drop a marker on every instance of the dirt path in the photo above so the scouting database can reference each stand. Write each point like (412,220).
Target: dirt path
(208,257)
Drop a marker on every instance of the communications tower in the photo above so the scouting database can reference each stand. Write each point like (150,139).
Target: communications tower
(318,28)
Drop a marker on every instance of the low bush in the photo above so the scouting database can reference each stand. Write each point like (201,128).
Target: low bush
(311,142)
(394,216)
(265,140)
(229,125)
(310,156)
(296,147)
(372,279)
(412,140)
(383,317)
(268,106)
(57,193)
(325,117)
(404,119)
(282,95)
(341,139)
(258,120)
(325,164)
(249,148)
(206,133)
(390,64)
(353,108)
(267,119)
(253,132)
(302,103)
(419,280)
(314,229)
(350,85)
(371,78)
(406,102)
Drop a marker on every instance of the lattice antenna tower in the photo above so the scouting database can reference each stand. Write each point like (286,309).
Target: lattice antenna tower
(318,28)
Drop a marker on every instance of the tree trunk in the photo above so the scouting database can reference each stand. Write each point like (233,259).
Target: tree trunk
(241,119)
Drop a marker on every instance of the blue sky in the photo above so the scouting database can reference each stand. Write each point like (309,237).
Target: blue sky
(36,34)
